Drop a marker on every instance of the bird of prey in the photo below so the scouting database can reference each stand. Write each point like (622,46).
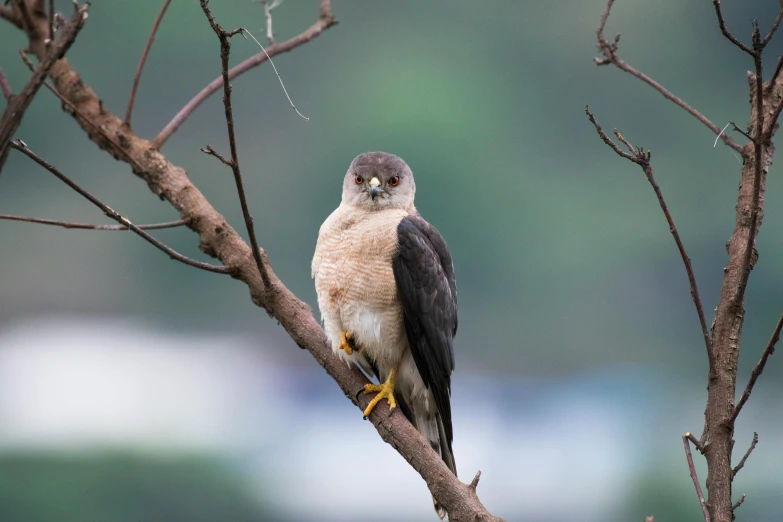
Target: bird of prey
(388,297)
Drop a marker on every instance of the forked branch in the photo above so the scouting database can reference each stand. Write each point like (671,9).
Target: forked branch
(111,213)
(609,51)
(642,158)
(225,52)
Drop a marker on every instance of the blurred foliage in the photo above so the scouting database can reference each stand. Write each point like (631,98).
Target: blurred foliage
(121,487)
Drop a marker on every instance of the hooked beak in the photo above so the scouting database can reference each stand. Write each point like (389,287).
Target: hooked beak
(375,188)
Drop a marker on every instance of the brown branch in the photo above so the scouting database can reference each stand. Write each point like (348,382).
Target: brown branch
(89,226)
(326,21)
(745,457)
(24,13)
(720,412)
(776,73)
(725,30)
(609,50)
(696,442)
(12,117)
(5,87)
(51,19)
(736,128)
(773,120)
(225,51)
(695,479)
(111,213)
(144,54)
(74,110)
(11,15)
(474,483)
(754,375)
(774,28)
(738,503)
(642,159)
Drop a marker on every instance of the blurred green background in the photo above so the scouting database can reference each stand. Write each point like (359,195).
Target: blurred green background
(580,361)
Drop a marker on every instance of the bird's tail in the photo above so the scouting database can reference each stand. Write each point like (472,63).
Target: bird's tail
(431,427)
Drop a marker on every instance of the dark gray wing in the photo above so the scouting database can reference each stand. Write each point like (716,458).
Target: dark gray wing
(425,281)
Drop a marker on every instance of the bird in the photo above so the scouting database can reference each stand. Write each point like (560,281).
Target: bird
(388,298)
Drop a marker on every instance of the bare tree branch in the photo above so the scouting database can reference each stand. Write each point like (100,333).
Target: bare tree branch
(12,117)
(725,30)
(754,375)
(5,87)
(695,479)
(326,21)
(225,51)
(775,24)
(609,50)
(642,159)
(51,19)
(144,54)
(11,15)
(89,226)
(696,442)
(745,457)
(21,147)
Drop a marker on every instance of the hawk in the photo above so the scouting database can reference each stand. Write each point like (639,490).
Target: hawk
(388,297)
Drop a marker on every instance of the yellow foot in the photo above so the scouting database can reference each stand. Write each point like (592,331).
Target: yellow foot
(347,343)
(384,391)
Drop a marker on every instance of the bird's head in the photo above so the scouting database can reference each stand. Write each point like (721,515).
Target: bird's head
(379,181)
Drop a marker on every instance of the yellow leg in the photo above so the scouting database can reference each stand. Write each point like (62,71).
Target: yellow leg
(384,391)
(346,342)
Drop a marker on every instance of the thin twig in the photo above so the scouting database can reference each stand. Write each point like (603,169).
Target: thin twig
(27,20)
(313,31)
(745,457)
(474,483)
(695,479)
(89,226)
(100,130)
(21,147)
(696,442)
(144,54)
(609,50)
(774,28)
(212,152)
(736,128)
(738,503)
(754,375)
(51,19)
(225,50)
(776,73)
(11,16)
(5,86)
(725,30)
(12,117)
(642,158)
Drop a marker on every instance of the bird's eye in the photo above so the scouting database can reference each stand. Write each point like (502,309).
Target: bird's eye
(358,179)
(394,181)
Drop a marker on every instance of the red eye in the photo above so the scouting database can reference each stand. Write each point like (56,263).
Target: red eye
(358,179)
(394,181)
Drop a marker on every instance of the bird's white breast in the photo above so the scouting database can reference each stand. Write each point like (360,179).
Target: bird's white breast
(355,283)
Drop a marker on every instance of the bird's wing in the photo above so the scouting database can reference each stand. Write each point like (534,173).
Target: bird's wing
(425,281)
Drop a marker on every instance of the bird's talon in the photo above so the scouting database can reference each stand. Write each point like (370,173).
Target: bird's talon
(347,343)
(383,391)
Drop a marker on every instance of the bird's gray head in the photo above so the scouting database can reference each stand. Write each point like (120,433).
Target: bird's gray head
(379,181)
